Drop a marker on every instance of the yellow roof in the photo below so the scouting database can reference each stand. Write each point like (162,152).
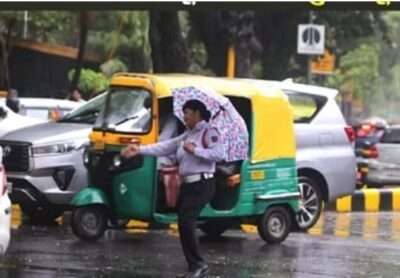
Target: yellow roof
(163,83)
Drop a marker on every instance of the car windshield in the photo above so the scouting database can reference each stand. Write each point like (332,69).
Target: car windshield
(128,110)
(87,113)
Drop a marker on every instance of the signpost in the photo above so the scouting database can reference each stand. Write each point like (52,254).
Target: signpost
(311,39)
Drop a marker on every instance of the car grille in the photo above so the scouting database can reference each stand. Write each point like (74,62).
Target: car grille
(15,156)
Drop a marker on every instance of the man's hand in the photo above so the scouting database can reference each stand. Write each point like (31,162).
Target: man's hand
(189,147)
(130,151)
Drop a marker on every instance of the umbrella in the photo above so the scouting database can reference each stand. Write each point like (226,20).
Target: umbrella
(224,118)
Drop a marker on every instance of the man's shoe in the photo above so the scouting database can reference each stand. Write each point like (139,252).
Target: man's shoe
(200,272)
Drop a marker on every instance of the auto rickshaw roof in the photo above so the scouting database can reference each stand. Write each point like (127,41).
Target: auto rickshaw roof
(164,83)
(272,118)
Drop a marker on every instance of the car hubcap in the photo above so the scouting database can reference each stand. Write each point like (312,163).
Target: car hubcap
(276,226)
(90,221)
(309,205)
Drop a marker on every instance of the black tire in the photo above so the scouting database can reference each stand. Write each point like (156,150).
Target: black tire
(310,203)
(41,214)
(274,225)
(89,222)
(214,229)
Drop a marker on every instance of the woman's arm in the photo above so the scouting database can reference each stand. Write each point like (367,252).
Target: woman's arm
(162,148)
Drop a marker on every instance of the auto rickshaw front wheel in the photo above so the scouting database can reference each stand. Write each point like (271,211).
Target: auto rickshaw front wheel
(89,222)
(275,224)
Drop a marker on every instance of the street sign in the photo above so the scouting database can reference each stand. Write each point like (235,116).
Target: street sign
(323,64)
(310,39)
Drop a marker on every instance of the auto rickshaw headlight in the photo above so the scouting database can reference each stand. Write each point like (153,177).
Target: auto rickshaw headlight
(117,161)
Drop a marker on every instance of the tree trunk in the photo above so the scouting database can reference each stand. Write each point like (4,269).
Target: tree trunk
(168,47)
(222,29)
(4,75)
(277,32)
(83,30)
(4,54)
(208,27)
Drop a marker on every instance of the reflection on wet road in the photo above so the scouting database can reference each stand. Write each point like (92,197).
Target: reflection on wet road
(340,245)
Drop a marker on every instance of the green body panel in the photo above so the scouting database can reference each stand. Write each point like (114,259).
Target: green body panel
(279,176)
(89,196)
(134,191)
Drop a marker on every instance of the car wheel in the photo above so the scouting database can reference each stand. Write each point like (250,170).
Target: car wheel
(215,229)
(274,225)
(89,222)
(310,203)
(41,214)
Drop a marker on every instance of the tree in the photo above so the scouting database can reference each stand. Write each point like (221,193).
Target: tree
(7,22)
(221,29)
(168,49)
(83,30)
(277,32)
(122,35)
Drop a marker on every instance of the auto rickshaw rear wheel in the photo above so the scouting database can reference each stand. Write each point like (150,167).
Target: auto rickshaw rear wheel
(275,224)
(215,228)
(89,222)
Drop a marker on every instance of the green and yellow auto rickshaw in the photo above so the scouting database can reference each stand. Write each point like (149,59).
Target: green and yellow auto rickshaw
(262,190)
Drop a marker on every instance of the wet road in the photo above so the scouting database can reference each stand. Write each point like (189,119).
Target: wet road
(341,245)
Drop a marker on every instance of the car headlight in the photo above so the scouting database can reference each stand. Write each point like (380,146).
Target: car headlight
(59,148)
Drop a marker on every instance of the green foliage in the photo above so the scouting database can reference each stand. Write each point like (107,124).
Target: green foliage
(113,66)
(90,82)
(122,35)
(359,71)
(43,26)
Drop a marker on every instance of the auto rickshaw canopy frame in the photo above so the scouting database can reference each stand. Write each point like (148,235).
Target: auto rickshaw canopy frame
(272,135)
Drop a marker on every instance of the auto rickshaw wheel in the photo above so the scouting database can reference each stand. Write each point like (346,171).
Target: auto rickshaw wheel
(275,224)
(89,222)
(215,228)
(310,203)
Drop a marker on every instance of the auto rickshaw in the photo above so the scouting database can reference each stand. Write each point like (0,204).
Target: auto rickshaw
(263,191)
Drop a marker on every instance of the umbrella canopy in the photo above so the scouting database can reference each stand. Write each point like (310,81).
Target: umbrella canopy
(224,118)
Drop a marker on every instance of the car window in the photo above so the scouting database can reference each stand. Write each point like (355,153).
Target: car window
(305,106)
(391,135)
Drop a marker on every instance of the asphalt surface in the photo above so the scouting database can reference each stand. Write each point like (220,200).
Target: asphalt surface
(340,245)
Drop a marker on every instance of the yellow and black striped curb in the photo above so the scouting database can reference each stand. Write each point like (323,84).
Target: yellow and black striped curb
(387,199)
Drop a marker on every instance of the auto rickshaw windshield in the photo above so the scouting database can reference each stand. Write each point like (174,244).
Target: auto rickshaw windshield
(127,110)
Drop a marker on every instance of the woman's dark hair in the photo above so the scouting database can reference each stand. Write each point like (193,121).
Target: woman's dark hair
(197,105)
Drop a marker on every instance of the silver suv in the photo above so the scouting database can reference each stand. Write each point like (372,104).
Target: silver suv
(385,168)
(325,148)
(44,162)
